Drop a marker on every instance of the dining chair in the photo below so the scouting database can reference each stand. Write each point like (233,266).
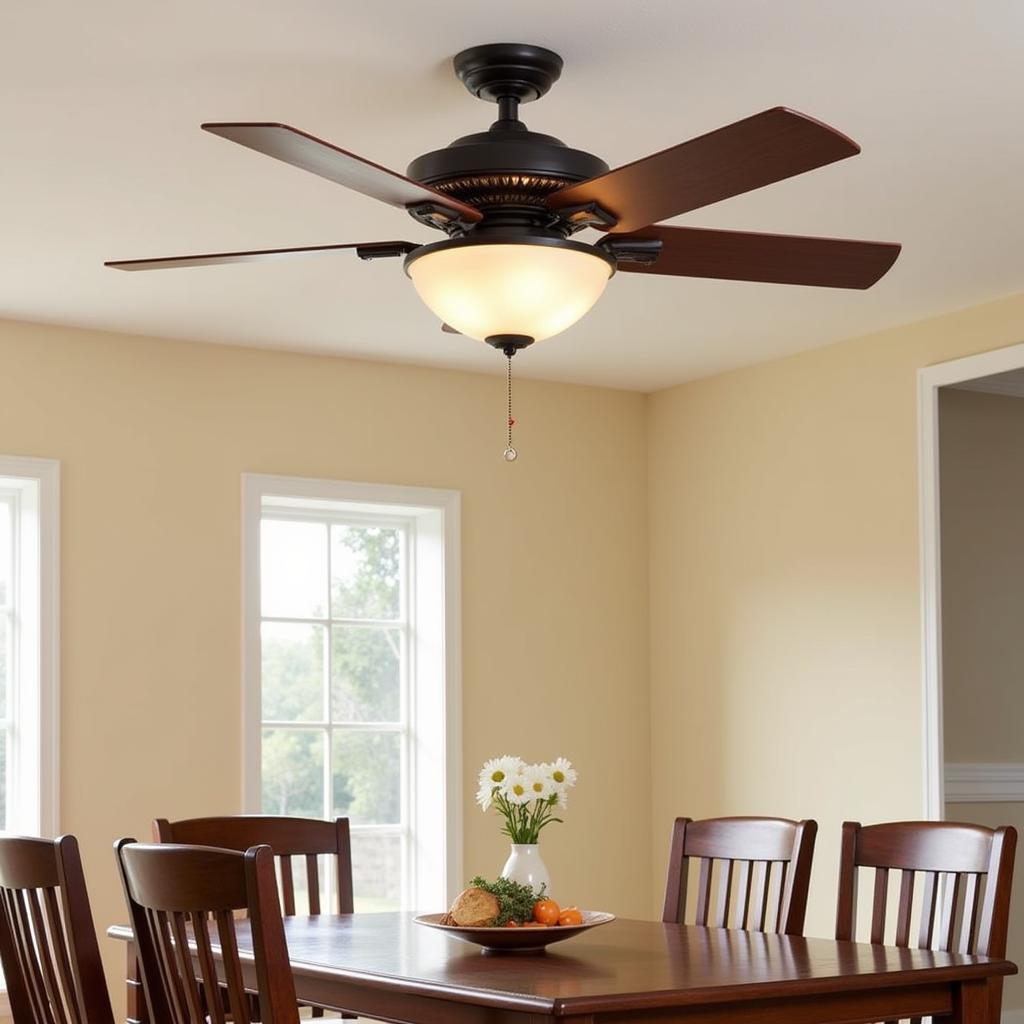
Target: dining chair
(305,838)
(48,946)
(177,895)
(753,873)
(966,874)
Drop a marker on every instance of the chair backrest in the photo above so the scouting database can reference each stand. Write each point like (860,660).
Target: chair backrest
(178,895)
(48,944)
(753,874)
(304,838)
(966,872)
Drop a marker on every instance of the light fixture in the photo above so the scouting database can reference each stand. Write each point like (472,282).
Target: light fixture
(489,288)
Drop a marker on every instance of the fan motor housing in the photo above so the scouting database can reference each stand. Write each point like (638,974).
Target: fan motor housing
(509,165)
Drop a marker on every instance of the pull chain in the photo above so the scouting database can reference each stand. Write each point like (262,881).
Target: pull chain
(510,452)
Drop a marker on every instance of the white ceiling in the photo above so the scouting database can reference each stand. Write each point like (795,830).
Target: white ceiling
(101,157)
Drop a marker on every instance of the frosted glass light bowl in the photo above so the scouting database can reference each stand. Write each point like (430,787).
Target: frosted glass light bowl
(517,940)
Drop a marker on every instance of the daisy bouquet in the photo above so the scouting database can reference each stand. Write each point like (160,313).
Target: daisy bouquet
(527,796)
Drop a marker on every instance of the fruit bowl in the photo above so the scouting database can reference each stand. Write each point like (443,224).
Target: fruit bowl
(516,940)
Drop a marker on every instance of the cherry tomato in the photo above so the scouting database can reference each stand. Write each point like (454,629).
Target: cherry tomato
(570,916)
(546,912)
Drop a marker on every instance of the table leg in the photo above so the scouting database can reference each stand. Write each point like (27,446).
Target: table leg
(971,1003)
(138,1012)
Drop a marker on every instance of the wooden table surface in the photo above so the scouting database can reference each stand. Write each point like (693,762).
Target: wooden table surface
(387,966)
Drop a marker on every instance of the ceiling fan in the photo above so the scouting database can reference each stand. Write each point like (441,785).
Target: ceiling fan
(510,200)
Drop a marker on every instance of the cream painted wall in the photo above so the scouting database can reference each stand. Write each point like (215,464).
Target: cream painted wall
(785,591)
(153,437)
(981,451)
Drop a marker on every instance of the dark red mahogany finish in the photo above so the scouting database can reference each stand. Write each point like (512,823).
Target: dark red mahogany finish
(965,874)
(385,966)
(754,873)
(291,839)
(48,945)
(183,902)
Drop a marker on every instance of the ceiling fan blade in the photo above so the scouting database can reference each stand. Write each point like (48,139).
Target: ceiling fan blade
(448,329)
(776,259)
(370,250)
(749,154)
(299,149)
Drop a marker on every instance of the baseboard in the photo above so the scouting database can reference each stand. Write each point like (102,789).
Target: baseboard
(985,783)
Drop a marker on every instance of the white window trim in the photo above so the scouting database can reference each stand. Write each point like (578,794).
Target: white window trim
(929,380)
(437,513)
(39,762)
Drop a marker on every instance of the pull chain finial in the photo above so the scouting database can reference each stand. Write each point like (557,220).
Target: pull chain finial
(510,453)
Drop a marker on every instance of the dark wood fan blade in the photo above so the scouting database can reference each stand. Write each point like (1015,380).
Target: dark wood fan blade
(210,259)
(448,329)
(749,154)
(299,149)
(776,259)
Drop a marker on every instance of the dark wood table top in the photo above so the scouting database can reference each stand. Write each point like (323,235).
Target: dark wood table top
(625,965)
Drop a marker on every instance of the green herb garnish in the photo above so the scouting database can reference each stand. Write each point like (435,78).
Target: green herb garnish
(515,901)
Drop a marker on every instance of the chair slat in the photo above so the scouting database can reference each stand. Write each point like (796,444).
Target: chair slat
(207,967)
(743,894)
(26,956)
(879,904)
(704,890)
(232,968)
(723,898)
(906,908)
(783,871)
(47,956)
(59,938)
(313,883)
(762,876)
(287,886)
(193,999)
(32,958)
(950,897)
(172,974)
(929,901)
(969,917)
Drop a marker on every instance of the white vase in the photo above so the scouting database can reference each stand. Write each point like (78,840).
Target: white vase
(526,866)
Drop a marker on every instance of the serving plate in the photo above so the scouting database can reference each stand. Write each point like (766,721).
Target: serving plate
(516,940)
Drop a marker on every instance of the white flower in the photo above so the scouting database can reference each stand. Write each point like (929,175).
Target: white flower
(496,771)
(563,778)
(515,789)
(563,775)
(538,781)
(484,796)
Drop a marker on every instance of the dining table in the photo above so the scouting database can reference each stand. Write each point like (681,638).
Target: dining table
(385,966)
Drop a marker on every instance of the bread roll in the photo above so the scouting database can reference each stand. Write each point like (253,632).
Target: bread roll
(474,908)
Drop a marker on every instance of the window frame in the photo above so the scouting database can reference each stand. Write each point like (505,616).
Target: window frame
(431,519)
(33,486)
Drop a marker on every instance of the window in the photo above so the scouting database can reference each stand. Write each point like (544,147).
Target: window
(28,645)
(351,669)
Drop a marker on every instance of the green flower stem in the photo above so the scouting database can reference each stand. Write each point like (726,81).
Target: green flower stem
(524,822)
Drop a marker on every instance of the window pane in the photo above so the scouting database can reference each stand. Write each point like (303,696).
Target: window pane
(376,871)
(3,779)
(365,572)
(5,661)
(365,674)
(293,672)
(293,569)
(6,542)
(367,777)
(293,775)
